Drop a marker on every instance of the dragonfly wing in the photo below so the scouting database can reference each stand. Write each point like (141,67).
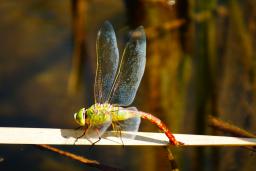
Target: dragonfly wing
(107,62)
(131,69)
(131,124)
(97,131)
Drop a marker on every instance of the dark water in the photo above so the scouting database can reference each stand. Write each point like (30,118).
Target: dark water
(208,69)
(35,62)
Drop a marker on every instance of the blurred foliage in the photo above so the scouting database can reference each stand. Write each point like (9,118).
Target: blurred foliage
(200,61)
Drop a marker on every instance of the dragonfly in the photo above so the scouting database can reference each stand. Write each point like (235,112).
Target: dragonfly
(116,84)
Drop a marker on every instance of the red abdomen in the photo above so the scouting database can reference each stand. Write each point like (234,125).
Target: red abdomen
(161,126)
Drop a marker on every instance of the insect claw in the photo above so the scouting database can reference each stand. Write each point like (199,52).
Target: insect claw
(176,143)
(95,142)
(180,143)
(78,128)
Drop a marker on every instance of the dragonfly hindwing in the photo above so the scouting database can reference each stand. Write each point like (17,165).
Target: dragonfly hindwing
(131,125)
(131,70)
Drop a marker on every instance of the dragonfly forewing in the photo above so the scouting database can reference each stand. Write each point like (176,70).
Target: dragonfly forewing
(107,62)
(131,70)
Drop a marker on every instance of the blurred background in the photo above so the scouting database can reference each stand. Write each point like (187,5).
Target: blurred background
(201,61)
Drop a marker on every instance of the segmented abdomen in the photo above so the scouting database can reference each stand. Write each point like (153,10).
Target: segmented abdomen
(161,126)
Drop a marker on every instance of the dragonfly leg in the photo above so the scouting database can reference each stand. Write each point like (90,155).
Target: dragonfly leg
(93,143)
(84,134)
(96,141)
(78,128)
(80,137)
(116,126)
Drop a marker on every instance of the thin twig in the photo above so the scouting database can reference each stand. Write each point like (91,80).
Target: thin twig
(79,8)
(155,31)
(88,162)
(168,4)
(173,163)
(234,130)
(226,127)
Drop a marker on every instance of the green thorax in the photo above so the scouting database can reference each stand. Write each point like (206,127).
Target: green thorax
(99,114)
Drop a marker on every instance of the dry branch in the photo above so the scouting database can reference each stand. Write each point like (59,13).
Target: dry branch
(92,163)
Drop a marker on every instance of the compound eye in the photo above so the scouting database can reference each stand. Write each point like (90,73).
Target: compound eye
(84,114)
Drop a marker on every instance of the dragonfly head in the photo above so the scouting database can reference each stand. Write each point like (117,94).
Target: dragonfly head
(80,117)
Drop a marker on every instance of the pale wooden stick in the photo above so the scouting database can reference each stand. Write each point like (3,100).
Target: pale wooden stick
(11,135)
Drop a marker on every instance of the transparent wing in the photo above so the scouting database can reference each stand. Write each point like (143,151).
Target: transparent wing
(131,69)
(97,131)
(131,124)
(107,62)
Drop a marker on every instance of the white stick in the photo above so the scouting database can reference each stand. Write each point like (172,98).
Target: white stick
(11,135)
